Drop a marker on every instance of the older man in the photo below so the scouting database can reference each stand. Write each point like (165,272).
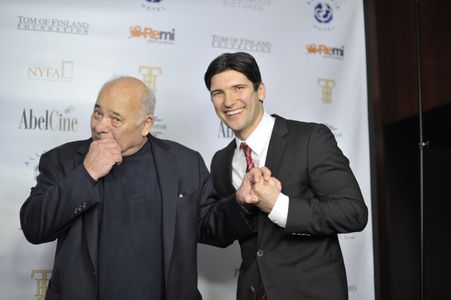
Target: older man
(127,208)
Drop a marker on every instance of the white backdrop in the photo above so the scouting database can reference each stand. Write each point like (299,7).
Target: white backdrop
(55,55)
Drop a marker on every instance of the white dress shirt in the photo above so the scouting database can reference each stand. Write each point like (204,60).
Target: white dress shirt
(258,141)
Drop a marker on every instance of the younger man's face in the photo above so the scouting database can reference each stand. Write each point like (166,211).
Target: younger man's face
(236,102)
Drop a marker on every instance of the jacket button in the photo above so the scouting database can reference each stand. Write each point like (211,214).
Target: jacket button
(260,253)
(252,289)
(76,210)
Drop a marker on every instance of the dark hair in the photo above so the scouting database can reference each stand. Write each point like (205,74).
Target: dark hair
(240,61)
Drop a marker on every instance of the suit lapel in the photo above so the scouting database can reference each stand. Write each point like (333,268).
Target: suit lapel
(275,153)
(91,219)
(166,172)
(227,168)
(276,145)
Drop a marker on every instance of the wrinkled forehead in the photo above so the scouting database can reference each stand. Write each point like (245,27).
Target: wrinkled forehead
(125,102)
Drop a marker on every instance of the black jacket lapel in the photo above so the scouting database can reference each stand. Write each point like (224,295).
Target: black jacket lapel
(276,145)
(91,219)
(275,152)
(166,171)
(228,167)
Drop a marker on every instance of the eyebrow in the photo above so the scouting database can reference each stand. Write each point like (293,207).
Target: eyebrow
(114,113)
(215,90)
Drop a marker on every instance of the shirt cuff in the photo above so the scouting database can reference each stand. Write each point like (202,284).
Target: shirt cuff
(279,212)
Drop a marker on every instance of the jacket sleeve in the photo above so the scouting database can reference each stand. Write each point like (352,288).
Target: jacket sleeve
(222,220)
(333,202)
(59,197)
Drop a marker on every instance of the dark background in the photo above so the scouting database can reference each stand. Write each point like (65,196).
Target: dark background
(394,114)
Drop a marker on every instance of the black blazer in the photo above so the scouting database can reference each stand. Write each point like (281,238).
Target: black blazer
(303,260)
(64,206)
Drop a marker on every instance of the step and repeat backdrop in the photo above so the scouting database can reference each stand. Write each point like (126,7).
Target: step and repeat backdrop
(55,56)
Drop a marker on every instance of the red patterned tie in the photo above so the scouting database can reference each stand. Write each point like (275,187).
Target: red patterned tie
(260,292)
(247,154)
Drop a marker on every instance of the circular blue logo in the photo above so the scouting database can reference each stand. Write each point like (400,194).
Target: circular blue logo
(323,12)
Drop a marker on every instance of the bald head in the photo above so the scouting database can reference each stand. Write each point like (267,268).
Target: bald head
(123,112)
(133,90)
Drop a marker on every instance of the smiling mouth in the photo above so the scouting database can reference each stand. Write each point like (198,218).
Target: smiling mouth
(231,113)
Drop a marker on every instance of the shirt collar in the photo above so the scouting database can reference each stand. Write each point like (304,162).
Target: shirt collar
(258,138)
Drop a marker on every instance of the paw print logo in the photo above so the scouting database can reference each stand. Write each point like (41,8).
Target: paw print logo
(312,48)
(135,31)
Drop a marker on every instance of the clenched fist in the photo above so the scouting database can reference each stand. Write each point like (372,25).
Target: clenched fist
(267,192)
(103,154)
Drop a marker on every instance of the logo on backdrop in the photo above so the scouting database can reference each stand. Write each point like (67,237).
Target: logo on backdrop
(152,35)
(153,5)
(149,75)
(352,288)
(224,131)
(240,43)
(248,4)
(48,120)
(159,127)
(337,133)
(52,25)
(327,86)
(32,162)
(41,277)
(324,13)
(64,71)
(326,51)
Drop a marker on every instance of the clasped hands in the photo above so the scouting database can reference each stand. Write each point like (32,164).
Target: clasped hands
(259,189)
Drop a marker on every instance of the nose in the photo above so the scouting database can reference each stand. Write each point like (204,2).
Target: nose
(101,127)
(229,98)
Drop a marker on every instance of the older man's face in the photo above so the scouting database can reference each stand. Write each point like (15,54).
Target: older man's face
(116,114)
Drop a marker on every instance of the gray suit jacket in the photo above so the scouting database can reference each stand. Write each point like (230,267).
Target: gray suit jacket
(64,206)
(303,260)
